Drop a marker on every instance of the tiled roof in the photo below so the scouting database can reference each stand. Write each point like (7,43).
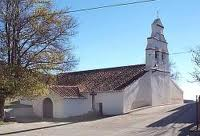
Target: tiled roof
(102,80)
(66,91)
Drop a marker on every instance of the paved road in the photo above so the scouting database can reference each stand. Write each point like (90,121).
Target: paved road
(168,120)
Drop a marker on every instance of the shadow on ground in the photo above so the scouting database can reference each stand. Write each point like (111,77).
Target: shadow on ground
(182,115)
(83,118)
(57,122)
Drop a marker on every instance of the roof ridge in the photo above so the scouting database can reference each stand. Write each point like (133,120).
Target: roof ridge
(99,69)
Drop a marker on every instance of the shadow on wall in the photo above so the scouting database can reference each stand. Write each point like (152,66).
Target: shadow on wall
(138,95)
(14,110)
(182,115)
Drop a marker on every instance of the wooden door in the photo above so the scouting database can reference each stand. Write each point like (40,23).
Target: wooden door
(47,108)
(101,108)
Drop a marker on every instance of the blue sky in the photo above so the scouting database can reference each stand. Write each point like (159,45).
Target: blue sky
(117,36)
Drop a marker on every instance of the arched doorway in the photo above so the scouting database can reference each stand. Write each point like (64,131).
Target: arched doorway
(47,108)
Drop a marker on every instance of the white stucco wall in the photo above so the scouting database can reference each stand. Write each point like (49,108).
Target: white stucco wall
(58,103)
(160,88)
(154,88)
(165,90)
(63,107)
(112,102)
(38,106)
(138,94)
(76,107)
(176,95)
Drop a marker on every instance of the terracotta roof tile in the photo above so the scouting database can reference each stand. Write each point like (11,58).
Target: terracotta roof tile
(102,80)
(66,91)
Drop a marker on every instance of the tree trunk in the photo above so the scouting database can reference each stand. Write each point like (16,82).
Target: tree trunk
(2,102)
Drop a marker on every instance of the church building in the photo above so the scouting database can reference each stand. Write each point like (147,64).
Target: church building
(114,91)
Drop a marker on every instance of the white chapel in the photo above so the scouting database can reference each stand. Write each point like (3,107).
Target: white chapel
(113,91)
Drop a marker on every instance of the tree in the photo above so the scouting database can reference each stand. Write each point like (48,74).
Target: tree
(34,42)
(174,74)
(196,60)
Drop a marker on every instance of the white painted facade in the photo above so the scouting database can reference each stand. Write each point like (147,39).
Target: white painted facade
(157,56)
(58,104)
(66,107)
(154,88)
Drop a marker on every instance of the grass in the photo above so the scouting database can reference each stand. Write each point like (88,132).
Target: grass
(2,123)
(5,123)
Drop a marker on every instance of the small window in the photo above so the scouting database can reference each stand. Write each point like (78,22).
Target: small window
(156,55)
(163,56)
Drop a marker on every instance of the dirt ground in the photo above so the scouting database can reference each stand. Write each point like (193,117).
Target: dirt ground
(170,120)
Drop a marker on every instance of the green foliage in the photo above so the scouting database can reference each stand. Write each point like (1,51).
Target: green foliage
(18,81)
(34,43)
(1,123)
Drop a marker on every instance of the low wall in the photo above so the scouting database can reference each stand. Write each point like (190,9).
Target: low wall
(20,112)
(24,112)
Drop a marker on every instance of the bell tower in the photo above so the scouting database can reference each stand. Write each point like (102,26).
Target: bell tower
(157,56)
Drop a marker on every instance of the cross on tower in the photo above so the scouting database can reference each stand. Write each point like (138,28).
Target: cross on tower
(157,13)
